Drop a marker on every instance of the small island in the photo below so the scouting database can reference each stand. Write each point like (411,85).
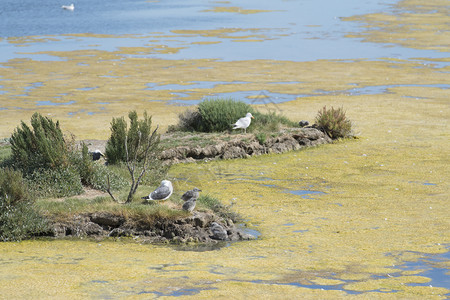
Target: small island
(55,186)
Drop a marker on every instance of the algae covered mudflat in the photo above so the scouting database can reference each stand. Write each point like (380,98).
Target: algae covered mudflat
(375,228)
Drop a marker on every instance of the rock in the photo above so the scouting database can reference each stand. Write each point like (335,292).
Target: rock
(200,221)
(234,152)
(202,227)
(91,228)
(245,236)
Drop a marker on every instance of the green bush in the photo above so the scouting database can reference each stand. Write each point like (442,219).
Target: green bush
(41,146)
(85,165)
(99,177)
(334,122)
(62,182)
(218,114)
(18,217)
(94,174)
(137,138)
(12,187)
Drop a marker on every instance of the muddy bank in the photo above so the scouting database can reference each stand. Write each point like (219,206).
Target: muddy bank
(201,227)
(203,146)
(243,146)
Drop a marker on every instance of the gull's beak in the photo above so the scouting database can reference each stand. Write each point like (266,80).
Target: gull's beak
(253,117)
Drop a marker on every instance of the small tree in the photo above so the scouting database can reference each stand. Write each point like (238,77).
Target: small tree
(137,137)
(137,147)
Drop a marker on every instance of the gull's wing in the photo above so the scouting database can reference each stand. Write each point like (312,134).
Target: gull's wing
(160,193)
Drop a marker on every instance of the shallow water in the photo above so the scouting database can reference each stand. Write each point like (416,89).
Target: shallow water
(299,30)
(376,225)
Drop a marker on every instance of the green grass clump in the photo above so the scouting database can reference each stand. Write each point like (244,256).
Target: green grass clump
(18,217)
(270,122)
(334,122)
(261,137)
(218,115)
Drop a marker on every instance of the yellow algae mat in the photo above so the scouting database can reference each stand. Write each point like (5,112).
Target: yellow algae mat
(336,221)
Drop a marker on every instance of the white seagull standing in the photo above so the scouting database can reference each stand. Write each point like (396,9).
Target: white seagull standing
(163,192)
(243,122)
(68,7)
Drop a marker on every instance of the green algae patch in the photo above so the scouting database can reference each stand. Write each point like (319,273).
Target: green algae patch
(89,87)
(409,23)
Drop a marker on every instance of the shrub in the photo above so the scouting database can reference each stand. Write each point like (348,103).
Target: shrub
(95,174)
(62,182)
(218,114)
(137,137)
(85,165)
(189,120)
(41,146)
(12,187)
(18,217)
(98,180)
(334,122)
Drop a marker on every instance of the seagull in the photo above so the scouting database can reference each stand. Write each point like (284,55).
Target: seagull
(243,122)
(68,7)
(189,205)
(218,232)
(194,193)
(163,192)
(96,155)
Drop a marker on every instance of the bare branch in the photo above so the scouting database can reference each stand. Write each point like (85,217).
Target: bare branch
(109,189)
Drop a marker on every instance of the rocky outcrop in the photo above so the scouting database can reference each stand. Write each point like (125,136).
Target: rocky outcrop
(201,227)
(293,139)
